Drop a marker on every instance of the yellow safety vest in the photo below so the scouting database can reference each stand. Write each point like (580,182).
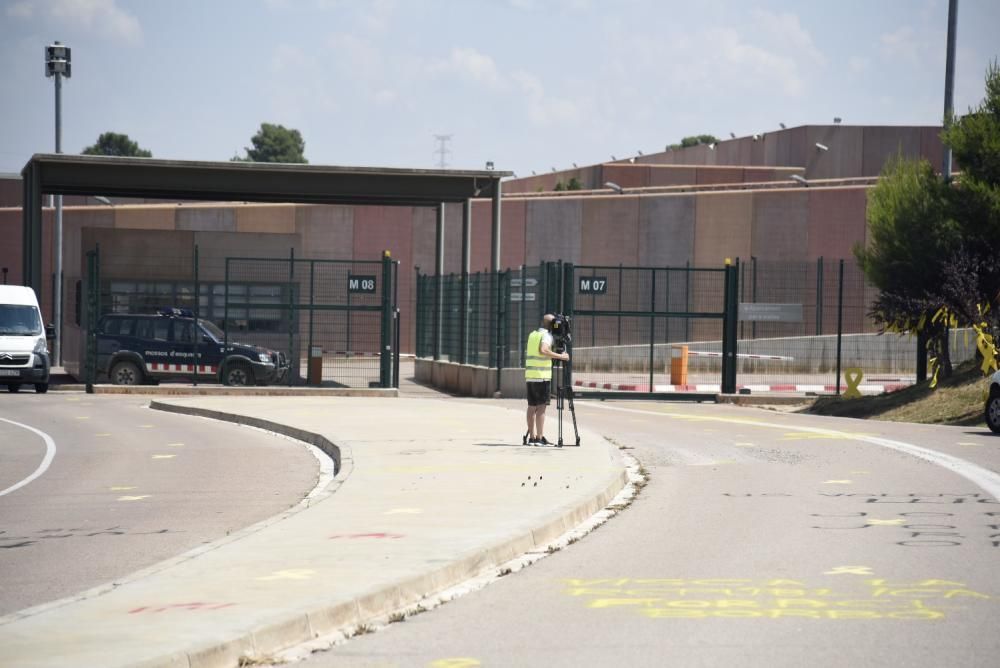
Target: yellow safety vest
(536,366)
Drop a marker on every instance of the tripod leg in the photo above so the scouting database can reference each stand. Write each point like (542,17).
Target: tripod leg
(572,412)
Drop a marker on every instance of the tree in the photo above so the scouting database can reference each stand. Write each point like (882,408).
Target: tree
(574,184)
(934,246)
(112,143)
(910,239)
(694,140)
(275,143)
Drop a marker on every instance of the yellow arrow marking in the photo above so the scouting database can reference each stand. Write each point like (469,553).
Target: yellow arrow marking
(164,456)
(838,482)
(121,489)
(289,574)
(850,570)
(886,523)
(403,511)
(133,498)
(72,399)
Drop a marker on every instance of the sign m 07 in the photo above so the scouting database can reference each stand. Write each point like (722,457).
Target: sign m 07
(593,285)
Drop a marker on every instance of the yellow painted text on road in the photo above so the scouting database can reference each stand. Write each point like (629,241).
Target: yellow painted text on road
(164,456)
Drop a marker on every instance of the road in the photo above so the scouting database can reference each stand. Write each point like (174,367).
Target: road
(762,539)
(126,487)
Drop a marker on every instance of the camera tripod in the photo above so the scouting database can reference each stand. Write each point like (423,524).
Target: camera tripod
(562,375)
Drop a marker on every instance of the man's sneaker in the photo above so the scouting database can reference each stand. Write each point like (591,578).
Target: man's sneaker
(541,441)
(532,440)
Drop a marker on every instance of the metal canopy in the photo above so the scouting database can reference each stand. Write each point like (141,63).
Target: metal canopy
(59,174)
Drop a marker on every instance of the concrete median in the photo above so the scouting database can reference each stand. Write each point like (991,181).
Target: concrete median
(429,493)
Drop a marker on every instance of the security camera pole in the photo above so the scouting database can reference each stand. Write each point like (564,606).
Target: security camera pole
(58,64)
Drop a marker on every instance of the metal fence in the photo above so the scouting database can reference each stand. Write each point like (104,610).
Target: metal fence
(794,325)
(337,321)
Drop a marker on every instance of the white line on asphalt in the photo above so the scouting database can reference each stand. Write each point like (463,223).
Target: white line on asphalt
(986,479)
(50,452)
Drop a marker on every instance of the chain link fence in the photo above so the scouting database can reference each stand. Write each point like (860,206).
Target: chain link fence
(799,326)
(336,321)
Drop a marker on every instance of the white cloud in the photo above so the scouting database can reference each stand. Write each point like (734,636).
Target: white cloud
(857,64)
(786,30)
(21,10)
(386,97)
(469,64)
(901,44)
(101,16)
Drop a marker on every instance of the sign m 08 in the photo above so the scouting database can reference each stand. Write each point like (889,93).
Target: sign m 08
(593,285)
(363,284)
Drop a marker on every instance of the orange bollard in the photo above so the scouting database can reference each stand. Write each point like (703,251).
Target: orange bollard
(678,365)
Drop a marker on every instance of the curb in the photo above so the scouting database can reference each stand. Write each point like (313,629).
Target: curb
(259,391)
(303,626)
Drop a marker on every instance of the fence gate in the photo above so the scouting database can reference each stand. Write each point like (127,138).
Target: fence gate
(336,320)
(627,321)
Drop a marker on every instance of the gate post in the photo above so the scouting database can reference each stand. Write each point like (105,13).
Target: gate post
(730,319)
(92,314)
(385,331)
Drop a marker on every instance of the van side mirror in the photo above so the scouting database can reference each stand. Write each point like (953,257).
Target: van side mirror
(50,331)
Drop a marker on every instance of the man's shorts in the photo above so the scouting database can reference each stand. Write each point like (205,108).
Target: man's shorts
(538,393)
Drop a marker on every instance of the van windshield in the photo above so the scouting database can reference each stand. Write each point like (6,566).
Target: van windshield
(18,320)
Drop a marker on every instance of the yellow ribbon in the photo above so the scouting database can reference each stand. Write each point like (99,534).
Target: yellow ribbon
(853,377)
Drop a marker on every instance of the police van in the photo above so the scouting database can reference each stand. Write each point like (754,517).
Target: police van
(136,349)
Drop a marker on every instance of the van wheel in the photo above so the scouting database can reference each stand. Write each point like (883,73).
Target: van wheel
(993,412)
(41,388)
(238,375)
(13,387)
(125,373)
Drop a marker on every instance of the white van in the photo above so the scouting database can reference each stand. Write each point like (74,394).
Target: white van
(24,352)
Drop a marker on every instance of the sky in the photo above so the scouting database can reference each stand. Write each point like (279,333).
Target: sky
(530,85)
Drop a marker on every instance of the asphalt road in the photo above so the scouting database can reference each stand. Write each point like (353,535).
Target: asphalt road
(762,539)
(126,487)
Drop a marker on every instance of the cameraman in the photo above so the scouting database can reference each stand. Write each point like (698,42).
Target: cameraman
(538,356)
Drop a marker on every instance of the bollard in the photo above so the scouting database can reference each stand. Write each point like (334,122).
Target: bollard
(316,366)
(678,365)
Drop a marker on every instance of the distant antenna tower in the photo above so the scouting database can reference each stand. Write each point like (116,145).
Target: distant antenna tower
(442,150)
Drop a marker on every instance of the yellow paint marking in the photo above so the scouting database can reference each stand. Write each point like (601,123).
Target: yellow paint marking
(121,489)
(745,445)
(133,498)
(456,662)
(850,570)
(72,399)
(831,435)
(886,523)
(975,445)
(164,456)
(838,482)
(146,426)
(403,511)
(105,433)
(289,574)
(82,417)
(175,445)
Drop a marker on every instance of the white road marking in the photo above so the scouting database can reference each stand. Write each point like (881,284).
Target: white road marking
(50,453)
(984,478)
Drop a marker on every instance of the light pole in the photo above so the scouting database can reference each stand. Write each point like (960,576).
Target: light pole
(58,64)
(949,82)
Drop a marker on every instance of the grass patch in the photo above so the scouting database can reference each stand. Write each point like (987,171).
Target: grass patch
(362,630)
(397,617)
(957,401)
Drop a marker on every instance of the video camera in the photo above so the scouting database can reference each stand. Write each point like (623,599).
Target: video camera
(561,334)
